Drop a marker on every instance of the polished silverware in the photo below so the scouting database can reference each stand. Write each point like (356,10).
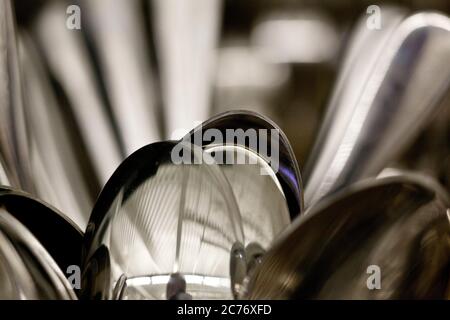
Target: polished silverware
(245,145)
(58,173)
(186,33)
(68,60)
(381,102)
(120,40)
(399,226)
(57,233)
(14,153)
(27,271)
(288,172)
(4,180)
(155,222)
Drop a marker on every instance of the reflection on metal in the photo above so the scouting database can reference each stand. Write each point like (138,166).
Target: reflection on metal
(380,107)
(119,39)
(399,224)
(186,33)
(3,176)
(155,218)
(288,174)
(259,197)
(14,158)
(27,272)
(56,171)
(61,238)
(218,226)
(68,61)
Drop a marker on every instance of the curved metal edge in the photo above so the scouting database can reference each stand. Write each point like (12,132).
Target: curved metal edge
(20,235)
(243,119)
(145,157)
(60,214)
(409,25)
(422,180)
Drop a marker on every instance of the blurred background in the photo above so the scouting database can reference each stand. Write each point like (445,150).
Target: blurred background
(142,71)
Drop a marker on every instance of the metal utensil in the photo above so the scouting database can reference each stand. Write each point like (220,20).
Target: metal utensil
(58,174)
(14,155)
(382,102)
(398,225)
(59,235)
(118,35)
(164,230)
(243,143)
(27,271)
(67,57)
(287,173)
(186,33)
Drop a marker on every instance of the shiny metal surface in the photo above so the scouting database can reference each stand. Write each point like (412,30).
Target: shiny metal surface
(155,219)
(260,197)
(4,180)
(57,171)
(186,35)
(77,104)
(68,60)
(120,40)
(382,103)
(59,235)
(288,173)
(27,272)
(14,156)
(362,52)
(400,224)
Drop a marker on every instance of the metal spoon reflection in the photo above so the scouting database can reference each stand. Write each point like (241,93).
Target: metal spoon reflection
(288,173)
(156,218)
(399,225)
(262,192)
(58,174)
(27,272)
(67,56)
(186,35)
(373,119)
(119,38)
(14,151)
(59,235)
